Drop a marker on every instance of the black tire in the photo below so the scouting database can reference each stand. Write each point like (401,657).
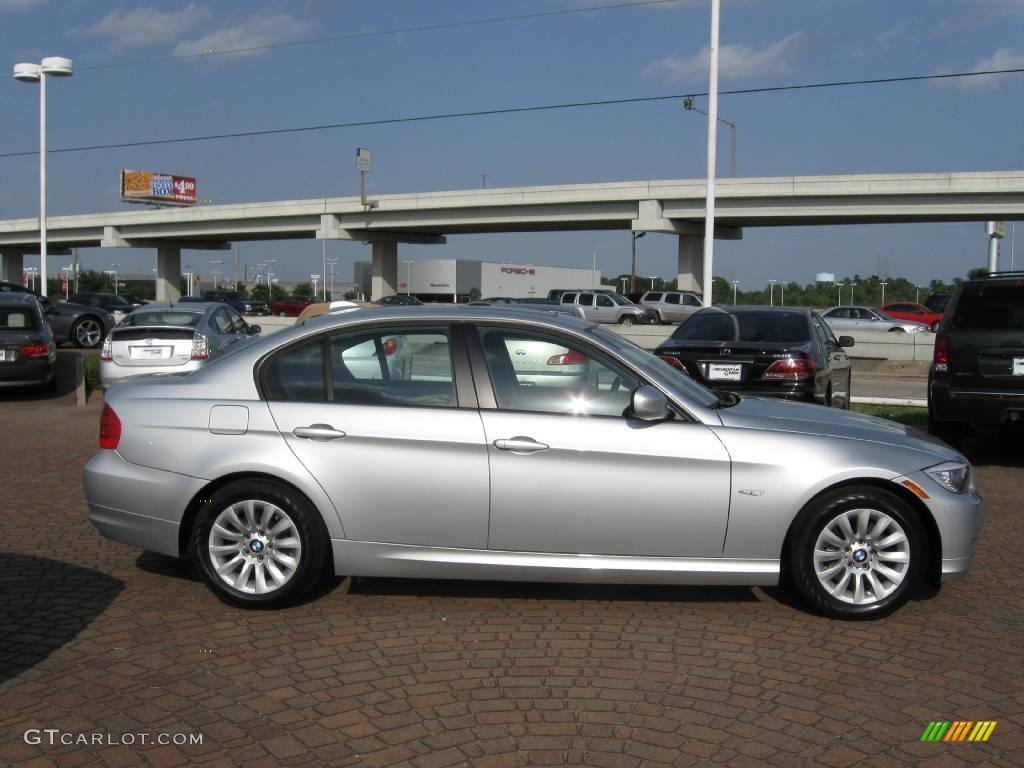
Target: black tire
(823,511)
(626,320)
(87,332)
(308,528)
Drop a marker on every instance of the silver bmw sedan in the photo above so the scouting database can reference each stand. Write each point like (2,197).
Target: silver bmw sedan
(408,443)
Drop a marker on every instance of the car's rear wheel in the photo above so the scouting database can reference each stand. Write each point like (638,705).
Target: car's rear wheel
(259,544)
(857,553)
(87,332)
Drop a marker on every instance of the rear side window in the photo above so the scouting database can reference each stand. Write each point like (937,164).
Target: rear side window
(671,298)
(17,319)
(990,308)
(652,297)
(297,374)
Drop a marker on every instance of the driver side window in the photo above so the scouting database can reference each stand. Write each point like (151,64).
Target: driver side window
(547,374)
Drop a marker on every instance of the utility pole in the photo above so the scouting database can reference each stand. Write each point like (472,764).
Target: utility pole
(632,274)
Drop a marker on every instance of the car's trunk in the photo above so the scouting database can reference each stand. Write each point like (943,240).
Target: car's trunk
(731,362)
(139,346)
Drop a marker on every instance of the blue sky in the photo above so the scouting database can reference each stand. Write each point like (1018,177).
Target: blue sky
(960,125)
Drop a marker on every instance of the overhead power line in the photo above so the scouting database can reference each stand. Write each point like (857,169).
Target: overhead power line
(512,110)
(383,33)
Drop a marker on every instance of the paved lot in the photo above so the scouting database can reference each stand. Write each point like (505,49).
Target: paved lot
(98,638)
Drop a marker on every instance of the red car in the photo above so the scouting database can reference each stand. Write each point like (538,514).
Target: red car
(291,306)
(908,310)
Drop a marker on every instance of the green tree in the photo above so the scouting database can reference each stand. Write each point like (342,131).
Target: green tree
(302,289)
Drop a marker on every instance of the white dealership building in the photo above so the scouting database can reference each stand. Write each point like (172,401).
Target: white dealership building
(455,279)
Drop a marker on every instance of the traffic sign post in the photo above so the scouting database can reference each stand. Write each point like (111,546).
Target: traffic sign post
(364,164)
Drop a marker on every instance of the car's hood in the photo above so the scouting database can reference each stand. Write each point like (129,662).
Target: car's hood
(804,418)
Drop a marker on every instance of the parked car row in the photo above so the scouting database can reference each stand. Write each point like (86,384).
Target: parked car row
(28,351)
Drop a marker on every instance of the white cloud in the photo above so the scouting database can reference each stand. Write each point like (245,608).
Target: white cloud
(735,61)
(253,32)
(19,5)
(1003,58)
(147,26)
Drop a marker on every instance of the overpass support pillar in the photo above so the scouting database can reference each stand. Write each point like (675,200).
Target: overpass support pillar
(385,270)
(168,273)
(690,272)
(14,261)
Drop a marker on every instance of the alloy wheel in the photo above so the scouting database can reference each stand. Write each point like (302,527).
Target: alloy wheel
(862,556)
(254,547)
(88,332)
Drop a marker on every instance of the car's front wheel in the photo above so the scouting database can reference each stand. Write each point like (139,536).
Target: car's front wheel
(259,544)
(87,332)
(626,320)
(857,553)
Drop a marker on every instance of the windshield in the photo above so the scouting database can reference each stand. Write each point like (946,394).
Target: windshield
(162,317)
(782,327)
(652,367)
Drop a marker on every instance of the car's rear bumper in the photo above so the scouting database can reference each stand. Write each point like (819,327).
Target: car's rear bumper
(137,505)
(27,373)
(111,372)
(787,390)
(975,405)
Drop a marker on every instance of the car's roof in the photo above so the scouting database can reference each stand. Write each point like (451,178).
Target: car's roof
(737,310)
(12,298)
(187,306)
(1015,277)
(453,313)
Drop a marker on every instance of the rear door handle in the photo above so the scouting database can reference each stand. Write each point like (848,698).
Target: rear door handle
(318,432)
(520,445)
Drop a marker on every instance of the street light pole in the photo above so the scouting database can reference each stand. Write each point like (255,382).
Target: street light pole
(734,284)
(782,287)
(771,293)
(840,287)
(632,274)
(852,286)
(689,105)
(37,73)
(883,283)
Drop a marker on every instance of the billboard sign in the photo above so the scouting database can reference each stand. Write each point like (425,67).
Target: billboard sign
(364,159)
(157,188)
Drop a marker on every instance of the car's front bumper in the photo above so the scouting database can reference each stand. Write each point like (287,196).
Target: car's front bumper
(136,505)
(958,521)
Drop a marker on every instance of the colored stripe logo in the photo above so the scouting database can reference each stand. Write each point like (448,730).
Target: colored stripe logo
(959,730)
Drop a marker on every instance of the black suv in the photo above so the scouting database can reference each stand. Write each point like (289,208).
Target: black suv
(977,372)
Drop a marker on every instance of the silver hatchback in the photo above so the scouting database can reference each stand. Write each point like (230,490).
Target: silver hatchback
(408,443)
(171,338)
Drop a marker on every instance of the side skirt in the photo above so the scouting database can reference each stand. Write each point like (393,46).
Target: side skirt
(366,558)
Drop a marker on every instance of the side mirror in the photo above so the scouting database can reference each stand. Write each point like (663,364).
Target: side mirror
(846,341)
(648,404)
(254,329)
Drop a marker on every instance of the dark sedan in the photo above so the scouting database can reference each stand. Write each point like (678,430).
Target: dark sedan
(111,302)
(83,326)
(765,351)
(28,353)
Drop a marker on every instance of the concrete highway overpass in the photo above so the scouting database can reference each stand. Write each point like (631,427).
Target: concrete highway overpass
(673,207)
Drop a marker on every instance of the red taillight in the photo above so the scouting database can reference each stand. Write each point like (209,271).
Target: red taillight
(790,369)
(941,358)
(569,358)
(200,347)
(34,350)
(110,428)
(674,363)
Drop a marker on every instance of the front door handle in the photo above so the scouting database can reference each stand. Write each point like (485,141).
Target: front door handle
(318,432)
(520,444)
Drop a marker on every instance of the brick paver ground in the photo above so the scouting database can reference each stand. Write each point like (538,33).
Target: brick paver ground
(96,637)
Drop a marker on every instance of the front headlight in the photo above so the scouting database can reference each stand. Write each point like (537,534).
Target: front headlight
(953,476)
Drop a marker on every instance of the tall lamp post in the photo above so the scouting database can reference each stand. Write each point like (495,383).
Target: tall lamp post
(852,286)
(632,274)
(689,106)
(771,292)
(331,263)
(734,284)
(883,283)
(54,66)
